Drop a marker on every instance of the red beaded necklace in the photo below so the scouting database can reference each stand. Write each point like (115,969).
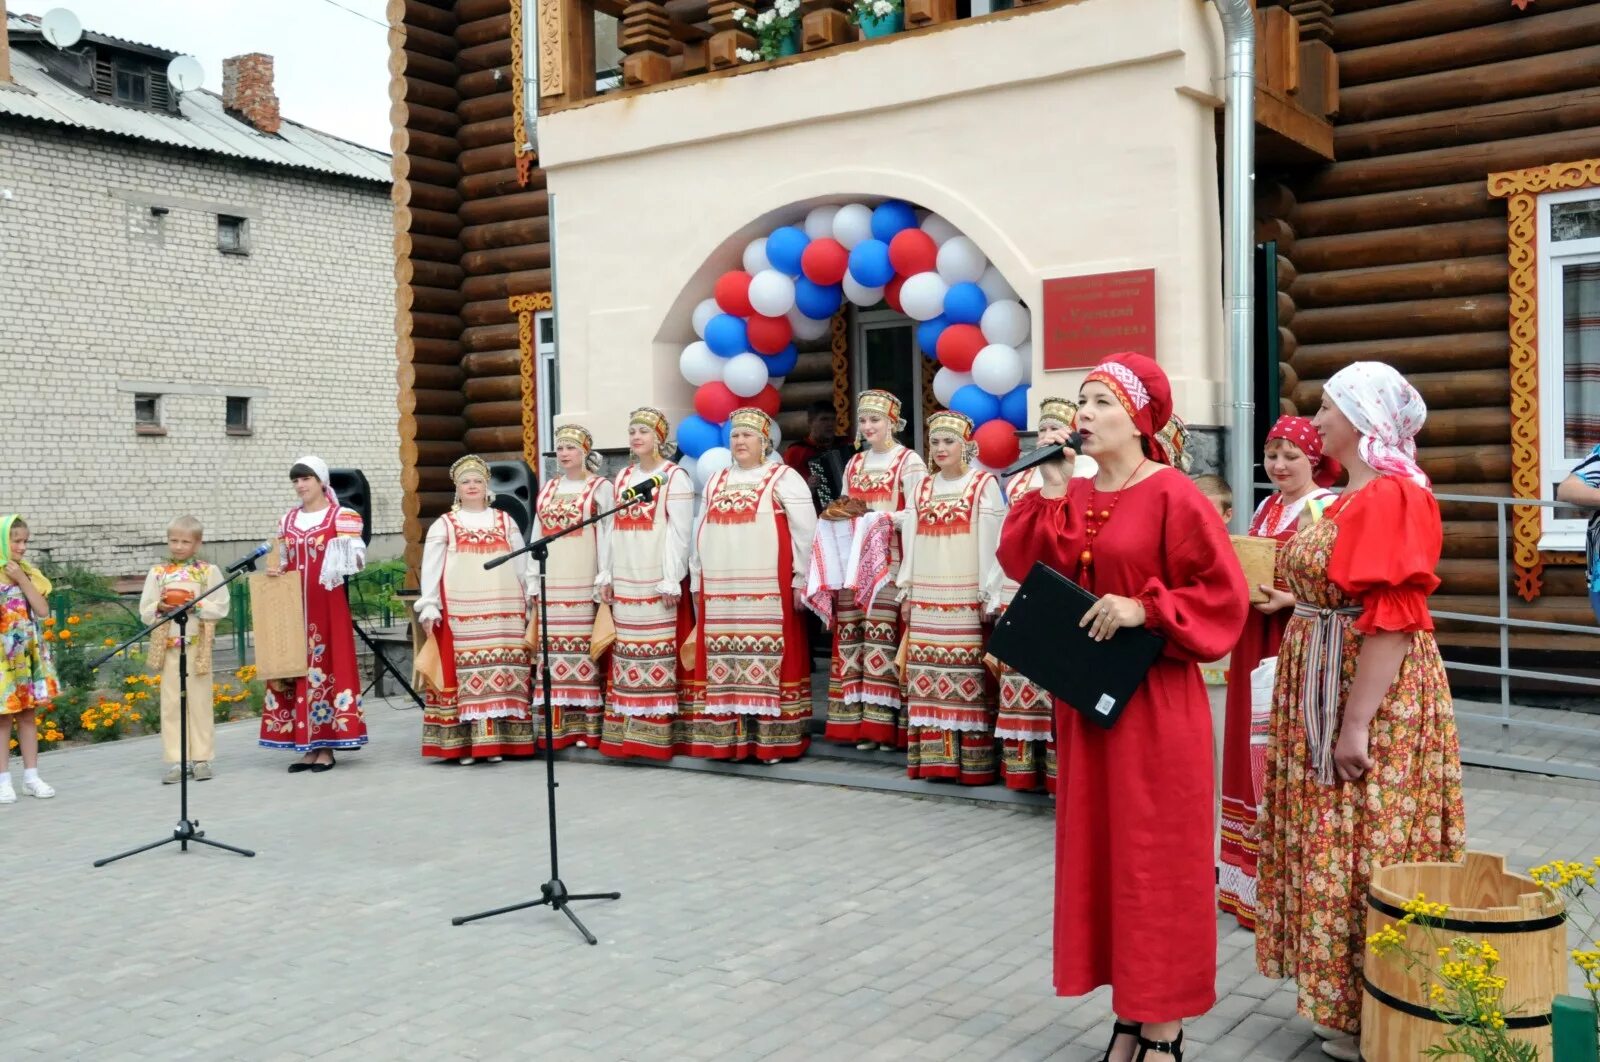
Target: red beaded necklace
(1092,527)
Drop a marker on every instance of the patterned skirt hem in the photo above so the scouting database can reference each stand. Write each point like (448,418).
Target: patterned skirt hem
(290,746)
(472,715)
(666,707)
(766,709)
(936,722)
(852,695)
(1011,733)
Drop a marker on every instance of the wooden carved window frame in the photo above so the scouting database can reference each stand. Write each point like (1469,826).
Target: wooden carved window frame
(526,307)
(1521,190)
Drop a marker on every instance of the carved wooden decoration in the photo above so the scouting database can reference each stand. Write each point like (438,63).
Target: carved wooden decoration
(525,158)
(825,23)
(1520,189)
(841,375)
(929,12)
(647,39)
(722,51)
(525,306)
(552,45)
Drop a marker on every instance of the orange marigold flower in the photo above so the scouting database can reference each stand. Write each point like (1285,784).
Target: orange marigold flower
(73,620)
(49,621)
(66,635)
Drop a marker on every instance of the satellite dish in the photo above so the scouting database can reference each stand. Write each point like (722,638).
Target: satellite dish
(185,73)
(61,27)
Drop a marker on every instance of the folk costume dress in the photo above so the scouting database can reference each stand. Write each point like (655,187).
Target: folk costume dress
(752,684)
(28,678)
(1135,889)
(483,708)
(576,560)
(649,559)
(193,577)
(1244,738)
(865,699)
(322,709)
(949,558)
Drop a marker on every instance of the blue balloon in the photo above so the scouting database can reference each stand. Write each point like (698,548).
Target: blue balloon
(870,265)
(964,303)
(1014,407)
(783,362)
(726,335)
(784,248)
(928,333)
(696,435)
(976,403)
(815,301)
(890,218)
(725,433)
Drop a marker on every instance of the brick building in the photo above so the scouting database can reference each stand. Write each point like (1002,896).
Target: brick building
(193,292)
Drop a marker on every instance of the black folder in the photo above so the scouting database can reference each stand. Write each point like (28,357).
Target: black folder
(1039,636)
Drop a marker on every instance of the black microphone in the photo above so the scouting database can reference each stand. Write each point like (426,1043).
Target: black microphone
(250,558)
(1043,454)
(642,490)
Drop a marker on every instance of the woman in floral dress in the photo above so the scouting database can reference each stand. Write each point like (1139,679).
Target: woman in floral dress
(1364,767)
(28,679)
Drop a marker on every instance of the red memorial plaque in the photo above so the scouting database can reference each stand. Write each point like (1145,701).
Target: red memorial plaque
(1088,317)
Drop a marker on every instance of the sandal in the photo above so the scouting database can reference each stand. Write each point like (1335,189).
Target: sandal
(1173,1048)
(1120,1028)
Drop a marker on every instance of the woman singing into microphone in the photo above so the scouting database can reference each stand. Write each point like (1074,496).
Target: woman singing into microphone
(1135,905)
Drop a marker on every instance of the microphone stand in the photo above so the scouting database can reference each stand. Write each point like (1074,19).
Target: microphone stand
(187,829)
(552,893)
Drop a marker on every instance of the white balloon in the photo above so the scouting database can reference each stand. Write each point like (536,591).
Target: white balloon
(755,256)
(996,369)
(771,293)
(860,295)
(922,296)
(946,382)
(808,327)
(703,314)
(699,365)
(1025,356)
(994,285)
(852,224)
(940,229)
(960,260)
(981,467)
(776,382)
(819,223)
(777,437)
(710,463)
(1006,322)
(689,465)
(745,374)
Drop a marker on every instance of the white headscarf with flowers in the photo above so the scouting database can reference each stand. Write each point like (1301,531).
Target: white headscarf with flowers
(1387,411)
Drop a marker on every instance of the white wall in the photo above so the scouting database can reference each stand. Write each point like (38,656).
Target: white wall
(96,294)
(1076,139)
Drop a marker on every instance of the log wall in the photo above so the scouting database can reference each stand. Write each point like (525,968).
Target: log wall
(1396,252)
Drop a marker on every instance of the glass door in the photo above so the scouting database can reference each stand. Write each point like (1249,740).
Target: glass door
(887,358)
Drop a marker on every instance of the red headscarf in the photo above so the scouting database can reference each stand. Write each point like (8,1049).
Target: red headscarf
(1144,391)
(1299,430)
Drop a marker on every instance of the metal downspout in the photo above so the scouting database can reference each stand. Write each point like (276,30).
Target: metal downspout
(1238,246)
(530,75)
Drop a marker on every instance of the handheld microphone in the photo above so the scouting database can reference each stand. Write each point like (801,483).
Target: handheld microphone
(642,490)
(1043,454)
(250,558)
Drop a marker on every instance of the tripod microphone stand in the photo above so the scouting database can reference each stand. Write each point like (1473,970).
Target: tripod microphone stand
(187,829)
(553,893)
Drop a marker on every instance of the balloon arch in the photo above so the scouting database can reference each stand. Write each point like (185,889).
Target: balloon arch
(794,281)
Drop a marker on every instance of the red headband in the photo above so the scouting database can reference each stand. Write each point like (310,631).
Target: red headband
(1301,432)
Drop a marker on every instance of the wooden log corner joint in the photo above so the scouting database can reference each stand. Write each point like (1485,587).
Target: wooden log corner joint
(525,307)
(1521,189)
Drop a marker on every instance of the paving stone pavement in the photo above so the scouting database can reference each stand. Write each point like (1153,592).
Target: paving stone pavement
(759,919)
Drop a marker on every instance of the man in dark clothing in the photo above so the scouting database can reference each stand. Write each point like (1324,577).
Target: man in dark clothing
(820,457)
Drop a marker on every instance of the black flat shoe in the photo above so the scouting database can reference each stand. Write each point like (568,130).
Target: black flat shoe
(300,765)
(323,768)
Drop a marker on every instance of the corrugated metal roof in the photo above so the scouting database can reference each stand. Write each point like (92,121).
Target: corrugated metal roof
(201,125)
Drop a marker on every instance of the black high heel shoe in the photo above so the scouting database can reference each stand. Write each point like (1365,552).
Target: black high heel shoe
(1121,1028)
(1171,1047)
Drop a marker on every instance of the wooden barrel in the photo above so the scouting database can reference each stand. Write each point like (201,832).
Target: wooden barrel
(1526,925)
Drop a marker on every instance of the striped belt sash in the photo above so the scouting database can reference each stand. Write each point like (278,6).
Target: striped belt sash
(1320,692)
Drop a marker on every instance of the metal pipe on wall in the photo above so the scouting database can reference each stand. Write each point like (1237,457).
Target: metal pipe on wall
(530,75)
(1238,244)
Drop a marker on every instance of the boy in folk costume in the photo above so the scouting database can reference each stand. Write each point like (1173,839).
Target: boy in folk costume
(949,562)
(478,618)
(865,699)
(175,582)
(753,667)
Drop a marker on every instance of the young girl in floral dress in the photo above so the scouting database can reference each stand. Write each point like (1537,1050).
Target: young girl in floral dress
(27,675)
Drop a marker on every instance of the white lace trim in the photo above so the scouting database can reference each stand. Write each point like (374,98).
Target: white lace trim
(342,559)
(931,723)
(741,708)
(670,708)
(568,702)
(1010,734)
(468,715)
(883,700)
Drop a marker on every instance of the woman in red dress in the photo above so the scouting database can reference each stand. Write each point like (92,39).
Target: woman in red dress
(321,711)
(1135,906)
(1296,465)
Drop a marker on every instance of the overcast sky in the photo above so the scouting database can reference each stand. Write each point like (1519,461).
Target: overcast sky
(331,63)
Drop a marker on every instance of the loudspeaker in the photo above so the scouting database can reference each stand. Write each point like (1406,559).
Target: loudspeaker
(350,484)
(515,488)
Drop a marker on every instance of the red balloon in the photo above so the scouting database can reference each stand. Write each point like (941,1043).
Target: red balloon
(733,293)
(997,443)
(959,345)
(769,335)
(767,400)
(715,402)
(824,261)
(891,293)
(913,251)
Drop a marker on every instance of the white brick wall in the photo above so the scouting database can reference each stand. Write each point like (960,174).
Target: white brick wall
(95,291)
